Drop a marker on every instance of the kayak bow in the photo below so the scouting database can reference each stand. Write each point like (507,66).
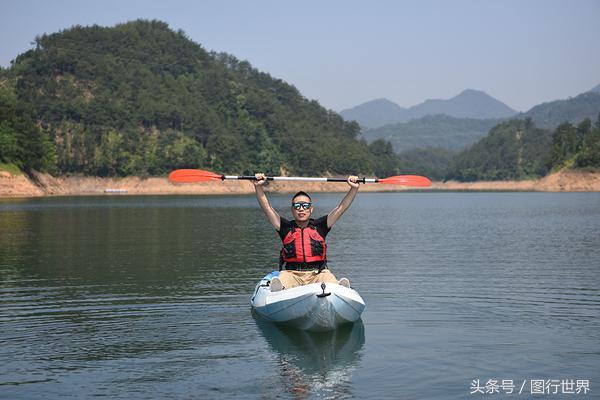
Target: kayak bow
(312,307)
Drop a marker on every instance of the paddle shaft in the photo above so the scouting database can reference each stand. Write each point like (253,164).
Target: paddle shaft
(298,178)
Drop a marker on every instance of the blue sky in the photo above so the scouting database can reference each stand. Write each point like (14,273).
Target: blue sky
(343,53)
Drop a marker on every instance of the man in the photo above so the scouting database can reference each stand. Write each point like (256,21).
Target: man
(303,258)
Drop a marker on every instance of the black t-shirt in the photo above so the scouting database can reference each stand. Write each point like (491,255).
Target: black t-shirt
(320,225)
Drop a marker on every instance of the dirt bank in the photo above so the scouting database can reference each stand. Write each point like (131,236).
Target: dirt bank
(45,185)
(562,181)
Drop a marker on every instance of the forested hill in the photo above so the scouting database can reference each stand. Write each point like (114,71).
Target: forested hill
(575,110)
(140,98)
(442,131)
(518,149)
(515,149)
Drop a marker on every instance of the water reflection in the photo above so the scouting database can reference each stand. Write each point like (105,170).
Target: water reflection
(312,362)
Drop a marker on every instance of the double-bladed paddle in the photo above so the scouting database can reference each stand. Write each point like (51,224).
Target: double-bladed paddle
(198,175)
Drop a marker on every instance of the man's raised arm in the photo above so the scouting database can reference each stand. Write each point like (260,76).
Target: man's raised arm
(337,212)
(272,216)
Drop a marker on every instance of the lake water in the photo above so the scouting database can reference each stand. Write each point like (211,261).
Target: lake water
(148,297)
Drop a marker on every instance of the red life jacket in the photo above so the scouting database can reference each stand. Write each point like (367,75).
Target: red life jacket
(304,245)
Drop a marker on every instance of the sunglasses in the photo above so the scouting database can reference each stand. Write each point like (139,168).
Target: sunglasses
(304,206)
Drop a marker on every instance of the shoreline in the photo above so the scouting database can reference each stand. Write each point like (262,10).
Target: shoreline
(45,185)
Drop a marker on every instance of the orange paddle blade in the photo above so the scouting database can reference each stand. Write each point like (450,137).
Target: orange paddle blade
(193,175)
(406,180)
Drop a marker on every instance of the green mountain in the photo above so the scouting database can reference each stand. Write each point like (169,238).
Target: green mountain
(576,109)
(441,131)
(140,98)
(518,149)
(469,103)
(432,162)
(514,149)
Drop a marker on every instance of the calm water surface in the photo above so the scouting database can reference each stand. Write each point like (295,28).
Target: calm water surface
(148,297)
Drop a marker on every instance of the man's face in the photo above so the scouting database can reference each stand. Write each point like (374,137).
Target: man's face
(299,210)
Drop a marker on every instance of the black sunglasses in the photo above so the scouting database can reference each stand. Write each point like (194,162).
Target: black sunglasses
(303,205)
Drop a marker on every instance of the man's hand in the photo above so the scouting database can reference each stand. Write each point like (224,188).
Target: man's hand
(261,179)
(353,181)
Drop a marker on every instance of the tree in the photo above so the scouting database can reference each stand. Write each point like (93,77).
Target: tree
(21,141)
(589,156)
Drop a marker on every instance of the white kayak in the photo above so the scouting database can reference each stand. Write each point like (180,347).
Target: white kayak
(313,307)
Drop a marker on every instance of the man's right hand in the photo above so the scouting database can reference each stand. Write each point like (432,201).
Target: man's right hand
(261,179)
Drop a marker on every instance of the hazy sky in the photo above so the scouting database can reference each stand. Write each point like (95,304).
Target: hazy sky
(343,53)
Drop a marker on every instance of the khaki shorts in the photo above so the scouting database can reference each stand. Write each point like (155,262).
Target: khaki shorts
(291,279)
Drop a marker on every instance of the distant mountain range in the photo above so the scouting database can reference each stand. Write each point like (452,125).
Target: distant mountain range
(454,133)
(468,104)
